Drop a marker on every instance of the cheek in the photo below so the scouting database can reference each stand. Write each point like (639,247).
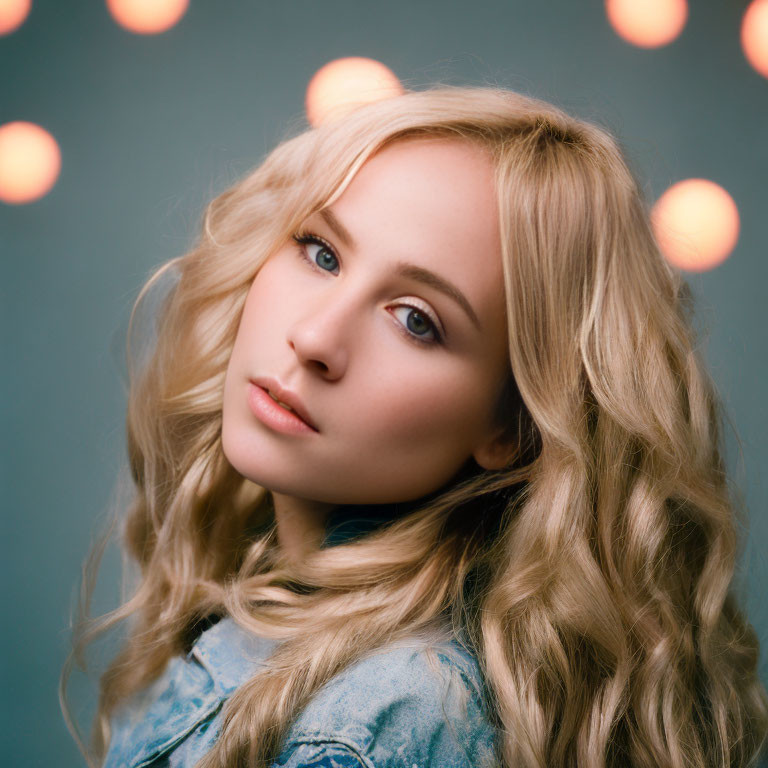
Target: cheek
(438,404)
(261,309)
(252,334)
(409,435)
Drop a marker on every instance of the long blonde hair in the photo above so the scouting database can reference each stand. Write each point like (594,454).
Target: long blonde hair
(592,575)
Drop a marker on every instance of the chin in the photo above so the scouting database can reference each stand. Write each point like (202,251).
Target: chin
(257,470)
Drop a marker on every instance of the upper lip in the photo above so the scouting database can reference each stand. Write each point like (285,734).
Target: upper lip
(274,387)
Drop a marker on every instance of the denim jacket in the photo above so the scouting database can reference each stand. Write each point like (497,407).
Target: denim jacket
(391,709)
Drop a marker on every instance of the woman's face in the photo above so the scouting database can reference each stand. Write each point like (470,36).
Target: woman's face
(399,377)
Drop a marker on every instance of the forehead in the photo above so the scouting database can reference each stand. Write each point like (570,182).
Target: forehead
(432,202)
(423,181)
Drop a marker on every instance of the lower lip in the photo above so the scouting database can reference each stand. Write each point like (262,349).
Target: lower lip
(274,415)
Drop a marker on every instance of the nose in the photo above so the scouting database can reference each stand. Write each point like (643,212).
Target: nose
(320,337)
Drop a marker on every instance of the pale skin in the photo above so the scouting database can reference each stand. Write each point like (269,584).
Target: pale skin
(396,418)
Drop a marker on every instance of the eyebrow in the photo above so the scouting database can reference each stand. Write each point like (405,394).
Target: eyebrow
(407,269)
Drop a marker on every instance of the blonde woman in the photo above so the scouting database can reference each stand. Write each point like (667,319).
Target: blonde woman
(427,469)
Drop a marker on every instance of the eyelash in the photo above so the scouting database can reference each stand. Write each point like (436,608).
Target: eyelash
(308,238)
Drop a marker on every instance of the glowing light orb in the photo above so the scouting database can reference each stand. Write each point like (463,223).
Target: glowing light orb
(12,14)
(647,23)
(342,84)
(147,17)
(754,35)
(30,162)
(696,224)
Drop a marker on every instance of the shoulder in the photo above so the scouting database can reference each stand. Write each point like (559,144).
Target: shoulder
(409,704)
(178,714)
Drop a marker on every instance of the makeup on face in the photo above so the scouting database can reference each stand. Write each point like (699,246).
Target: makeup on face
(275,415)
(382,332)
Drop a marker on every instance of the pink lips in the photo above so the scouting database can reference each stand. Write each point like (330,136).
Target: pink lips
(274,415)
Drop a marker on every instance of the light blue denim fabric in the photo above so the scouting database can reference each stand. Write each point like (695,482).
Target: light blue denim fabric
(391,709)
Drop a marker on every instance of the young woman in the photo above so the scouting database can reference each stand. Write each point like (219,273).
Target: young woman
(427,469)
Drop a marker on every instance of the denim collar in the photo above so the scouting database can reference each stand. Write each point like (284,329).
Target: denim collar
(191,689)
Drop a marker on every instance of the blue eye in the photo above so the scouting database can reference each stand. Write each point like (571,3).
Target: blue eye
(325,248)
(418,320)
(326,257)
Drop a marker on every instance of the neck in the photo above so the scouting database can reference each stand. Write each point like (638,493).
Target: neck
(300,524)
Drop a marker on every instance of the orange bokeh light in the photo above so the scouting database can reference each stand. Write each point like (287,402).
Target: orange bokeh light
(754,35)
(696,224)
(147,17)
(343,84)
(12,14)
(30,162)
(648,23)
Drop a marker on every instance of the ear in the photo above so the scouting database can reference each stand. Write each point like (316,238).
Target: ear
(496,452)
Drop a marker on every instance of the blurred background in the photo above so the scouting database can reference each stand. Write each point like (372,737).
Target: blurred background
(120,120)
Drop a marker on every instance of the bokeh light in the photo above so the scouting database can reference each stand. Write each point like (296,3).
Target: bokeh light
(647,23)
(696,224)
(147,17)
(754,35)
(343,84)
(30,162)
(12,14)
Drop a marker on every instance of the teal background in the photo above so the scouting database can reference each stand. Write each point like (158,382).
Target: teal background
(152,127)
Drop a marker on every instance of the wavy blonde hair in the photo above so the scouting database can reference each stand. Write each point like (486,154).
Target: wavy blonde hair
(592,575)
